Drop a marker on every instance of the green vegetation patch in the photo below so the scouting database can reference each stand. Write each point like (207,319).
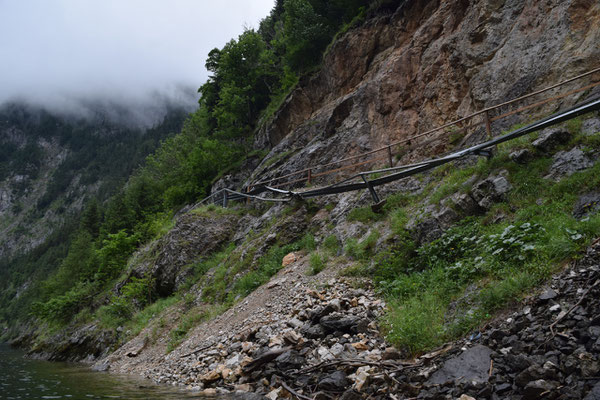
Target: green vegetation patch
(446,288)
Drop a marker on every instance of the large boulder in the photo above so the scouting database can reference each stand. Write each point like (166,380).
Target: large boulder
(194,236)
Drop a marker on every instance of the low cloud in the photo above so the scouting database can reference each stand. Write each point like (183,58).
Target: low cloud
(67,54)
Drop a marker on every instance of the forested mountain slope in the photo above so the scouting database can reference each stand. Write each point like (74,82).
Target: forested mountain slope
(328,291)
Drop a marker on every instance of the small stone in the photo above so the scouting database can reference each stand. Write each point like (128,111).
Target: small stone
(503,387)
(292,337)
(362,377)
(391,353)
(590,126)
(289,259)
(466,397)
(336,382)
(360,346)
(291,359)
(274,394)
(244,387)
(226,372)
(336,304)
(548,295)
(566,163)
(211,376)
(295,323)
(533,390)
(337,349)
(211,392)
(593,394)
(247,346)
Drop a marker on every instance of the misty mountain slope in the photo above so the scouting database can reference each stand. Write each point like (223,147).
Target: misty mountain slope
(51,164)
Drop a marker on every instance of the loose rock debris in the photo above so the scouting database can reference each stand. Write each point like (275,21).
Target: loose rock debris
(327,345)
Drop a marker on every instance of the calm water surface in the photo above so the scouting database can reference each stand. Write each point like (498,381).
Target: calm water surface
(22,378)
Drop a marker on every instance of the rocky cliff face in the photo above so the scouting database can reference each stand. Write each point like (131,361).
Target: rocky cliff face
(428,63)
(21,191)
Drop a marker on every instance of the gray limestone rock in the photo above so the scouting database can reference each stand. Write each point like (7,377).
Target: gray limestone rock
(472,365)
(593,394)
(550,138)
(520,156)
(490,190)
(566,163)
(587,204)
(590,126)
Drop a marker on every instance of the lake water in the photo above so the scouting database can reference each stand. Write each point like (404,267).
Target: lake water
(22,378)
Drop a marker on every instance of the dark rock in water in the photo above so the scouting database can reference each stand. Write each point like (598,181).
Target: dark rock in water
(472,365)
(335,382)
(289,360)
(593,394)
(550,138)
(101,367)
(566,163)
(587,204)
(534,389)
(548,295)
(520,156)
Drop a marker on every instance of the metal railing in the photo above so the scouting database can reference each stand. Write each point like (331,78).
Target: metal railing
(464,124)
(223,196)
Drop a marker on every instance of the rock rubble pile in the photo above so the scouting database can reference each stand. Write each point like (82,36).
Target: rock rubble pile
(327,342)
(321,343)
(549,349)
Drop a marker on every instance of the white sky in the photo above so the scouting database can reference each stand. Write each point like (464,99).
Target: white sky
(123,50)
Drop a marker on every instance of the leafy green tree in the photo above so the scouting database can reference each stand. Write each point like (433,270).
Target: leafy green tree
(306,35)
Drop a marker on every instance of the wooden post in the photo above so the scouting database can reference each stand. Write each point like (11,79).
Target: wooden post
(225,199)
(247,198)
(309,176)
(389,149)
(488,125)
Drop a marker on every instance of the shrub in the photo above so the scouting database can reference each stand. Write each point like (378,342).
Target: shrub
(364,215)
(331,244)
(317,263)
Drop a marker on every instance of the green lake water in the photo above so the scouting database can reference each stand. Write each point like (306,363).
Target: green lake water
(22,378)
